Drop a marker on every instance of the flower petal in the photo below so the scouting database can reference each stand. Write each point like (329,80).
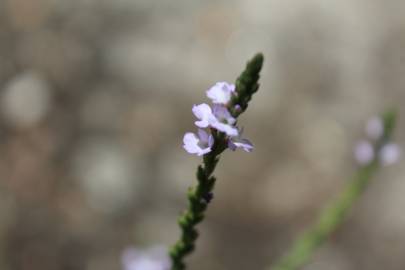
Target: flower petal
(364,152)
(389,154)
(227,129)
(237,142)
(221,92)
(152,259)
(210,140)
(203,135)
(231,145)
(245,145)
(203,112)
(190,141)
(193,145)
(375,128)
(222,114)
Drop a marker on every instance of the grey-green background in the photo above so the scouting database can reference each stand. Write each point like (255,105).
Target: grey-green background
(95,96)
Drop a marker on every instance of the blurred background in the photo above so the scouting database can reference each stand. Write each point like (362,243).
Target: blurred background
(95,96)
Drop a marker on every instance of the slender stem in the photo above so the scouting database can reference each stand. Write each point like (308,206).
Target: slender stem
(331,218)
(334,215)
(200,195)
(198,199)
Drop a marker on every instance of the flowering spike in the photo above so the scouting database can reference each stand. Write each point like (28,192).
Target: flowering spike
(221,121)
(371,154)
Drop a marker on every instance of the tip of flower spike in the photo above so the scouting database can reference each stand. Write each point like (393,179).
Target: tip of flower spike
(258,58)
(247,84)
(256,63)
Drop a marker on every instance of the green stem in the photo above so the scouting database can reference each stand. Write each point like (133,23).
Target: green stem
(334,215)
(200,195)
(198,199)
(331,218)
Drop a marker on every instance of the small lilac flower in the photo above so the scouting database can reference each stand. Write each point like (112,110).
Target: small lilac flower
(364,152)
(389,154)
(239,142)
(375,128)
(245,144)
(218,118)
(221,92)
(203,112)
(200,145)
(152,259)
(224,121)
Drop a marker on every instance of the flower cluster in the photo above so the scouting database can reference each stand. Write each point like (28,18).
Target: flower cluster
(152,259)
(215,118)
(374,147)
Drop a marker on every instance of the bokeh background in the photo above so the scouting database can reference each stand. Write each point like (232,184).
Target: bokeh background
(95,96)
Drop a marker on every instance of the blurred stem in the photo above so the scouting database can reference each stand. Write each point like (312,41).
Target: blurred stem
(331,218)
(200,195)
(334,215)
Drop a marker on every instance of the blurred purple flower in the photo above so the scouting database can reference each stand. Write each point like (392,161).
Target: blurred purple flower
(375,128)
(389,154)
(152,259)
(364,152)
(221,92)
(200,145)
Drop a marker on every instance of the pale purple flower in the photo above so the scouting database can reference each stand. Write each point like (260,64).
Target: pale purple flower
(364,152)
(245,144)
(239,142)
(151,259)
(389,154)
(200,145)
(203,112)
(216,118)
(221,92)
(219,118)
(224,121)
(375,128)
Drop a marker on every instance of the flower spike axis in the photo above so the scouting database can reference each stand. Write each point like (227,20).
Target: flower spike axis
(217,132)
